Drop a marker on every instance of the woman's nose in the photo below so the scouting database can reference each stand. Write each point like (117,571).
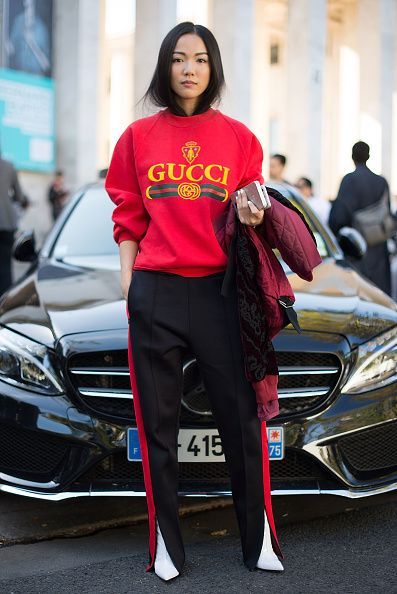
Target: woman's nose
(188,67)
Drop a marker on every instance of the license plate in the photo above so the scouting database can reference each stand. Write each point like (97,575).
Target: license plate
(204,445)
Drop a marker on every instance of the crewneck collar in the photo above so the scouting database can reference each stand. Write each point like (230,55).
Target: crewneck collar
(187,121)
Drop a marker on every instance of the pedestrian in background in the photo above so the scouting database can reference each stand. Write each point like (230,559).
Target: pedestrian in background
(277,166)
(169,177)
(10,194)
(57,195)
(320,206)
(360,189)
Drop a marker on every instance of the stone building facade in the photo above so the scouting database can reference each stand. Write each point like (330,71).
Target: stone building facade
(310,77)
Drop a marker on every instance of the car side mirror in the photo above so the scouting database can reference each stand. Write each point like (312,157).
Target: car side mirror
(352,243)
(24,247)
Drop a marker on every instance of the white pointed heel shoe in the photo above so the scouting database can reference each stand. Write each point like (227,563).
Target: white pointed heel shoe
(268,558)
(163,565)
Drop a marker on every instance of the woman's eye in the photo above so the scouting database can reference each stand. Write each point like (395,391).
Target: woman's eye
(203,60)
(177,59)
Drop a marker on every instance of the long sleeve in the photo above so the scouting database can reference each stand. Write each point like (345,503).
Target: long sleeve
(387,189)
(286,230)
(129,216)
(253,170)
(342,207)
(18,195)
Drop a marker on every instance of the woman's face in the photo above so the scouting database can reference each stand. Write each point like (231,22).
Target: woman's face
(190,71)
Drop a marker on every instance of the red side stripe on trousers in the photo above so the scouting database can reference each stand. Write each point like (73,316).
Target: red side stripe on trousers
(146,467)
(145,456)
(266,487)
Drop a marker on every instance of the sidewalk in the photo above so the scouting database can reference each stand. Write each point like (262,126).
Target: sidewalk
(344,553)
(27,520)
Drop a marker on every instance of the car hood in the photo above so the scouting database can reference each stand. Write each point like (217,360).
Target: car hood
(59,299)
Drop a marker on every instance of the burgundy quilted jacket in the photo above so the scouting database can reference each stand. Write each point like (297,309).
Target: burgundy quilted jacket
(265,296)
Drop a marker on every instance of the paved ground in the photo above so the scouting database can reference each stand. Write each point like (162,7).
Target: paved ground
(345,553)
(27,520)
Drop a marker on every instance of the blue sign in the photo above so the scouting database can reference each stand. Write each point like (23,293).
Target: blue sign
(133,447)
(275,438)
(27,120)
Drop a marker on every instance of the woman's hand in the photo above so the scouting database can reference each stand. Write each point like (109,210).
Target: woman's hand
(126,278)
(128,251)
(247,211)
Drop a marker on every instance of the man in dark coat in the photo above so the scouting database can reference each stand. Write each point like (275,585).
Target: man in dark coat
(57,195)
(10,193)
(360,189)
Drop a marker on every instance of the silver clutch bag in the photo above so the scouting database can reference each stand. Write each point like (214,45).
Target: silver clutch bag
(256,193)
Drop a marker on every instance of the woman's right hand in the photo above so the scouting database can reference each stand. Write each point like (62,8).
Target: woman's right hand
(126,279)
(128,251)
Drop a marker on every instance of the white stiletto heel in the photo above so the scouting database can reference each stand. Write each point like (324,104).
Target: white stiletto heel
(163,565)
(268,558)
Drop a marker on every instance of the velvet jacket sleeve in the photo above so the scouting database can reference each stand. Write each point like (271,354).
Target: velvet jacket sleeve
(285,230)
(129,216)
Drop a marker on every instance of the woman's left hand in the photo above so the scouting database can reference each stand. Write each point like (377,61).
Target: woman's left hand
(247,211)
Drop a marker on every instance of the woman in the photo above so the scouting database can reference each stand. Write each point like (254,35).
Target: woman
(170,177)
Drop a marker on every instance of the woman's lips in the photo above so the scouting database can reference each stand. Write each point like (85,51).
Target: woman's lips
(188,83)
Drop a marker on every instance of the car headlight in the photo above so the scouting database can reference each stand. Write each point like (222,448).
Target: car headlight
(376,364)
(27,364)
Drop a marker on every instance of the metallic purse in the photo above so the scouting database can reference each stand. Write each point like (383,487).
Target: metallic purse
(256,193)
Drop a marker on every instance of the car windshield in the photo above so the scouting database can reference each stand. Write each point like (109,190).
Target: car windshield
(297,200)
(88,231)
(321,245)
(87,235)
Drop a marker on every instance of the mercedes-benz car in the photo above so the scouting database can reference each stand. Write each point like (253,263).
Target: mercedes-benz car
(67,425)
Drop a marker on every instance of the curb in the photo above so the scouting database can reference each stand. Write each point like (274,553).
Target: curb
(92,528)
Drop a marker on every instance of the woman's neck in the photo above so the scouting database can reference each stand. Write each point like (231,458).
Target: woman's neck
(188,105)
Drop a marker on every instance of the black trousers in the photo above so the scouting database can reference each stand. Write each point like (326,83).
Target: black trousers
(169,314)
(6,243)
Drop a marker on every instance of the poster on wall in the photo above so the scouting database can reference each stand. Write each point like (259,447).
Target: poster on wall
(27,120)
(26,86)
(27,36)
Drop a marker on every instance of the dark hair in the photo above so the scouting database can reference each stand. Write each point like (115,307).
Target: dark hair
(307,182)
(281,158)
(58,173)
(360,152)
(160,91)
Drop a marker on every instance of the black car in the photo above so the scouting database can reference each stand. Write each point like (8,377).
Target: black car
(67,425)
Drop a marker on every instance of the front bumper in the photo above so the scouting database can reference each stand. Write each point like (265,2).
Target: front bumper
(51,450)
(352,494)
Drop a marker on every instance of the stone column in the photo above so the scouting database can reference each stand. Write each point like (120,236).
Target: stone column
(388,80)
(154,18)
(376,26)
(306,42)
(393,177)
(368,46)
(76,35)
(233,26)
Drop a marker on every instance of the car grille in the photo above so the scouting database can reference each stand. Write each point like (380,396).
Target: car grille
(371,451)
(25,452)
(117,469)
(102,382)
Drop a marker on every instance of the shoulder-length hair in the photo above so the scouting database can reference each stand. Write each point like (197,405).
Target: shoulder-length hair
(160,92)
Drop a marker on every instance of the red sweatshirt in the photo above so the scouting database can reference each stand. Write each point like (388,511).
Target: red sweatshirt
(170,177)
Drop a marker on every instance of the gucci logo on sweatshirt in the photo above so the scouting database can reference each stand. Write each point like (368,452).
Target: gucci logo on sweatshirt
(195,179)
